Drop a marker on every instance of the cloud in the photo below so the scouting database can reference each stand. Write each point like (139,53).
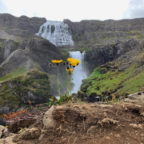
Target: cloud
(2,6)
(74,10)
(135,9)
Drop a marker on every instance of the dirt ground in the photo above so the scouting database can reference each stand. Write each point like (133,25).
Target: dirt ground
(121,123)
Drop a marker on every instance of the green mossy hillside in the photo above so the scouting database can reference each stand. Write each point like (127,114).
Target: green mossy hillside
(18,72)
(108,79)
(32,86)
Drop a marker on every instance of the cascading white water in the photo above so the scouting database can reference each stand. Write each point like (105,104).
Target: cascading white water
(80,72)
(57,33)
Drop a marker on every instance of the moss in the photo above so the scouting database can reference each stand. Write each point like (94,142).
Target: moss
(112,81)
(14,92)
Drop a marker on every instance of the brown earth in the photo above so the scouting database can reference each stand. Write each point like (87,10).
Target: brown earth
(121,123)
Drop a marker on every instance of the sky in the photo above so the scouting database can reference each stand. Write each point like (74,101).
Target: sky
(74,10)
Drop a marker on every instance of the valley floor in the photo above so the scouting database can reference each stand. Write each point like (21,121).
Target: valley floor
(85,123)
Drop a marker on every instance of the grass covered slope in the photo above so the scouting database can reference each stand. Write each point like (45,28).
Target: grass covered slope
(32,86)
(121,77)
(18,72)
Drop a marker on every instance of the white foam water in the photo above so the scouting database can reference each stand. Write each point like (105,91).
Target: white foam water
(80,72)
(57,33)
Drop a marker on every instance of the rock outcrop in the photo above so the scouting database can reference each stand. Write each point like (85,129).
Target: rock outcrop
(42,51)
(97,56)
(37,53)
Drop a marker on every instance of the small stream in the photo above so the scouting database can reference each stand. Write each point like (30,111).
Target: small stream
(80,72)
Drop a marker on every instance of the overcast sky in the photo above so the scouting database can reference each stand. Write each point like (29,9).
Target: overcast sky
(74,10)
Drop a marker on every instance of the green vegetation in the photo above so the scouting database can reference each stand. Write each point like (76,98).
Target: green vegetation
(105,81)
(18,91)
(18,72)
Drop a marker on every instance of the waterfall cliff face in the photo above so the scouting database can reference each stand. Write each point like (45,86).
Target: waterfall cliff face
(57,33)
(80,72)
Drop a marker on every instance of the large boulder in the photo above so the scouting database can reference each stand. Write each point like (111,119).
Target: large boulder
(3,131)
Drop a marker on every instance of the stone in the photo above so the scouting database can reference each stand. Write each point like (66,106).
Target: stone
(107,122)
(48,120)
(3,131)
(8,140)
(136,126)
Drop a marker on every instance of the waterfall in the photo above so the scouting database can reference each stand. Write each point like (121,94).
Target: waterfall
(80,72)
(57,33)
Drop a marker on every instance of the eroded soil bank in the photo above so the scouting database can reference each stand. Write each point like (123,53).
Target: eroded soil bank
(83,123)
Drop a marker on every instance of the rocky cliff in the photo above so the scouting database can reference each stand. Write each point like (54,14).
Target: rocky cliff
(99,55)
(17,28)
(89,33)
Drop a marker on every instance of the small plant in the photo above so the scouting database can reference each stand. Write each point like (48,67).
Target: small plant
(51,102)
(64,98)
(114,100)
(70,64)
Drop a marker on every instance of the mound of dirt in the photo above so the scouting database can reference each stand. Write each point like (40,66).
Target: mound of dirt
(86,124)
